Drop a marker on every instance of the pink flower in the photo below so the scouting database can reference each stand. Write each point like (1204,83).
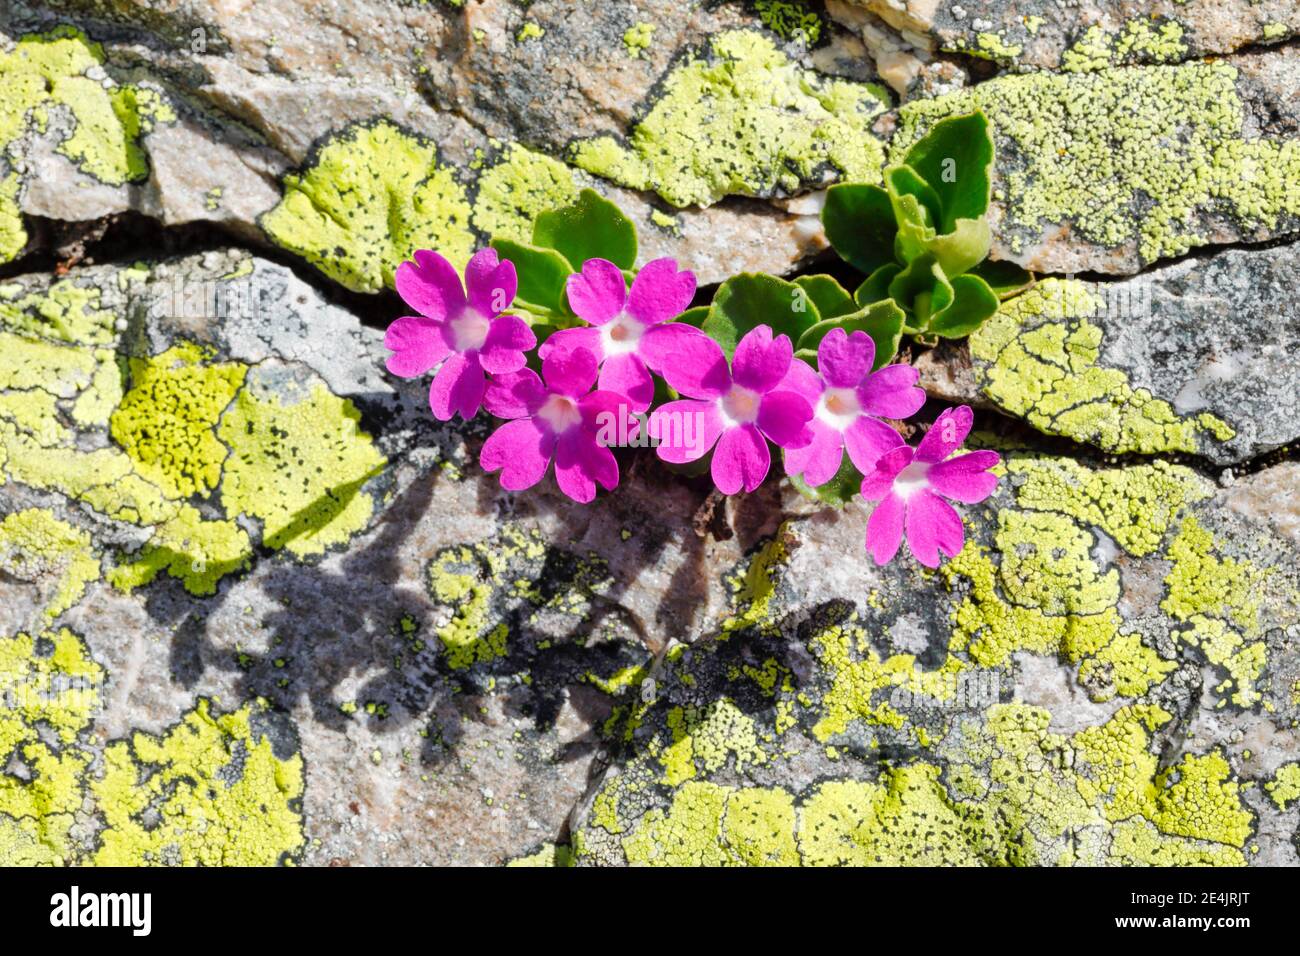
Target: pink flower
(629,331)
(846,398)
(738,410)
(908,483)
(559,419)
(462,337)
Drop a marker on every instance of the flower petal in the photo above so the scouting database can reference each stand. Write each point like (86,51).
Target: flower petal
(430,285)
(491,282)
(514,394)
(819,460)
(844,360)
(660,292)
(570,373)
(946,434)
(885,528)
(685,429)
(892,392)
(803,380)
(783,417)
(457,388)
(521,449)
(601,414)
(418,344)
(688,360)
(965,478)
(761,361)
(879,482)
(867,439)
(627,375)
(741,460)
(508,338)
(933,526)
(598,292)
(581,463)
(569,340)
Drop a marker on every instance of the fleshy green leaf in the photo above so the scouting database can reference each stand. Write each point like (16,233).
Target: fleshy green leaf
(751,299)
(542,274)
(695,316)
(902,181)
(591,228)
(1004,278)
(922,290)
(831,298)
(973,302)
(859,223)
(876,286)
(964,247)
(883,321)
(955,158)
(838,491)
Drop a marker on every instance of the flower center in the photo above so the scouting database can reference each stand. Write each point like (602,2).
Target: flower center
(621,335)
(740,405)
(560,412)
(839,407)
(470,331)
(912,479)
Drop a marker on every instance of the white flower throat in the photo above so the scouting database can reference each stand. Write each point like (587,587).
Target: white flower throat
(740,405)
(560,412)
(621,335)
(470,330)
(913,478)
(838,407)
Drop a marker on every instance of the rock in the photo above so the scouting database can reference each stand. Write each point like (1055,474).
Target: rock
(1016,708)
(1192,357)
(1093,33)
(1111,170)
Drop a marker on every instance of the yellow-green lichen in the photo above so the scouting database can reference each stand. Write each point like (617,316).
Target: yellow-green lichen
(1126,155)
(211,791)
(637,38)
(13,234)
(37,546)
(1037,358)
(741,118)
(514,190)
(166,421)
(1284,788)
(371,196)
(790,20)
(1141,39)
(300,463)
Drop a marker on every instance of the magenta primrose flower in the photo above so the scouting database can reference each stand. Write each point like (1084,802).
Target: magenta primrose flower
(908,483)
(556,416)
(629,331)
(846,398)
(462,336)
(737,410)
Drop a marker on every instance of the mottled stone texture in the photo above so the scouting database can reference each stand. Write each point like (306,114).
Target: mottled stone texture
(257,607)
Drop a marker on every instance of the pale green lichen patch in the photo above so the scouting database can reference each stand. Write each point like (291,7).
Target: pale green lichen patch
(1130,155)
(299,462)
(741,118)
(44,74)
(637,38)
(790,19)
(1141,39)
(212,791)
(1039,358)
(1284,788)
(512,191)
(37,546)
(370,197)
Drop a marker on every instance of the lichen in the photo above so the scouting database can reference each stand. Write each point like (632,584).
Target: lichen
(1284,788)
(370,196)
(637,38)
(790,20)
(1038,359)
(299,462)
(1126,155)
(37,546)
(1141,39)
(741,118)
(515,189)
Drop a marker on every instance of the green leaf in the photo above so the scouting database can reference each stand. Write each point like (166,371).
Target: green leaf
(964,247)
(695,316)
(876,286)
(831,298)
(591,228)
(1004,278)
(838,491)
(860,226)
(973,302)
(903,181)
(955,157)
(922,290)
(542,274)
(751,299)
(883,321)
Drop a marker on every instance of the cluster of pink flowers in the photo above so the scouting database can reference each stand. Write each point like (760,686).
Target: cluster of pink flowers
(597,379)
